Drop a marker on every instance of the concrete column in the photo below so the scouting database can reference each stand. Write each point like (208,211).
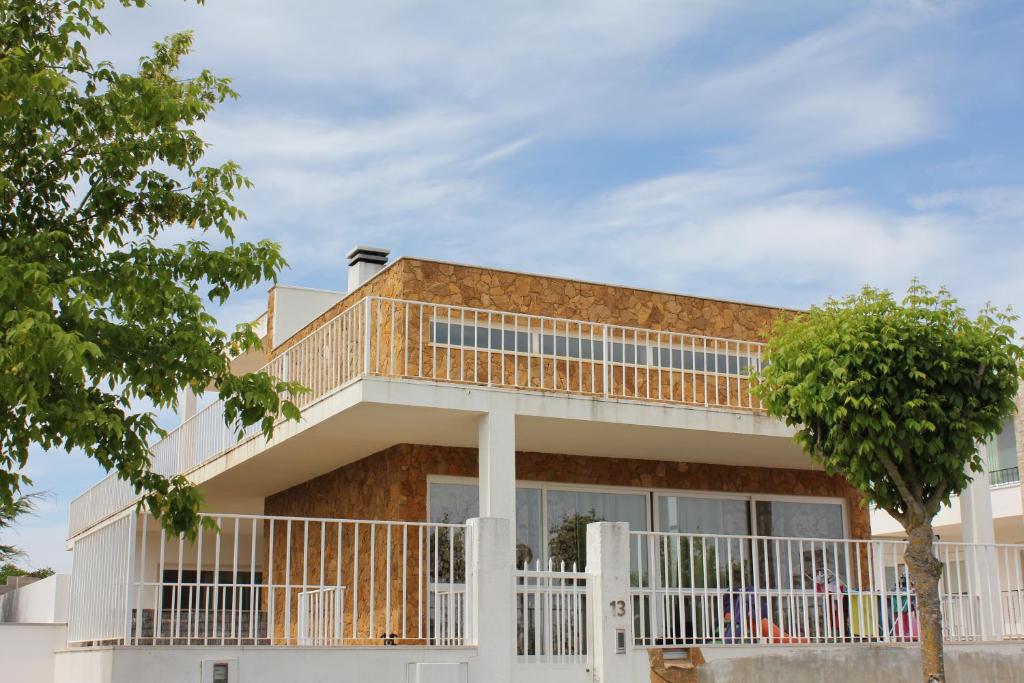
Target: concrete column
(187,402)
(977,527)
(1018,431)
(608,576)
(491,599)
(497,447)
(976,509)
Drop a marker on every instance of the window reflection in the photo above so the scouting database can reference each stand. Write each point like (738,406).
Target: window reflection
(1002,449)
(455,503)
(692,515)
(569,513)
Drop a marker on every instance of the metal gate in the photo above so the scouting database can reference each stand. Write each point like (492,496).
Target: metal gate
(552,625)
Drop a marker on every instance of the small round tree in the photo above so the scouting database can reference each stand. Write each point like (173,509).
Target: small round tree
(896,397)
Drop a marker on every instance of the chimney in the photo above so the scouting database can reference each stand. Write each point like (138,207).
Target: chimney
(364,263)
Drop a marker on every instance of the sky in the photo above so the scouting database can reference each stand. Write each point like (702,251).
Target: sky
(778,153)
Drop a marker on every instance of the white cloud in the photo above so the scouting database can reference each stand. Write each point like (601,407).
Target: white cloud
(402,124)
(844,90)
(1005,203)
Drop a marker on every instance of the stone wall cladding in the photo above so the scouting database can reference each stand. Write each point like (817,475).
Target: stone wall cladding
(392,484)
(499,290)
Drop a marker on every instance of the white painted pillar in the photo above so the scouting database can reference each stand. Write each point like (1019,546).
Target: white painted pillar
(608,576)
(491,599)
(497,448)
(977,527)
(187,402)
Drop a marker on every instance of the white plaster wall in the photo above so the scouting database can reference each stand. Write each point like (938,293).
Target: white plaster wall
(296,307)
(92,665)
(26,651)
(256,664)
(41,602)
(1002,662)
(1006,505)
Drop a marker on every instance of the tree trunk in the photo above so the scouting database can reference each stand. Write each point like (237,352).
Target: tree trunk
(925,572)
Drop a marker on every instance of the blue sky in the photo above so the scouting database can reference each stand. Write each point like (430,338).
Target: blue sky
(773,152)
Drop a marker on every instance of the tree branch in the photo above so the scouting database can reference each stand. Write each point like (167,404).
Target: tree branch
(897,479)
(934,502)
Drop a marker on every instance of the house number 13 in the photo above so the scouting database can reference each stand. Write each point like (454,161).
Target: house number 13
(618,608)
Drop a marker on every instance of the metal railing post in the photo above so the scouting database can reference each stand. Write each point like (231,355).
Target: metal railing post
(605,374)
(367,315)
(129,577)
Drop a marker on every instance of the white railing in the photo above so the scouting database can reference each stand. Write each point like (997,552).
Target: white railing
(320,616)
(418,340)
(455,344)
(551,615)
(100,577)
(692,589)
(325,360)
(263,580)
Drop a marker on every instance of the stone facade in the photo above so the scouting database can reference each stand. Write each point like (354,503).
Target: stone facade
(392,484)
(458,285)
(629,343)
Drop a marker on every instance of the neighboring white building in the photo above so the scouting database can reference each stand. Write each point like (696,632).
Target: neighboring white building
(1001,478)
(510,477)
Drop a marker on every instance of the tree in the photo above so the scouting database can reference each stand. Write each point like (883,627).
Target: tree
(100,308)
(568,541)
(21,505)
(10,569)
(896,397)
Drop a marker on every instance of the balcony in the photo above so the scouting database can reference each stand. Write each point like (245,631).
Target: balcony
(410,340)
(261,580)
(1004,477)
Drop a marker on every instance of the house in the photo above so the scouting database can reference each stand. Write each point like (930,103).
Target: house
(504,476)
(997,491)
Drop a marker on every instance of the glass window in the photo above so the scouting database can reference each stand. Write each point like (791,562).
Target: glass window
(627,349)
(481,337)
(1002,449)
(455,503)
(799,519)
(691,515)
(529,530)
(569,513)
(821,564)
(702,562)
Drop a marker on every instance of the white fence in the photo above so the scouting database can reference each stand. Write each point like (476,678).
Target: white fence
(692,589)
(551,615)
(100,579)
(262,580)
(321,612)
(414,340)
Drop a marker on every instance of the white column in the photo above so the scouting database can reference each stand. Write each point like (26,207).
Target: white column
(977,527)
(187,401)
(491,599)
(497,444)
(608,576)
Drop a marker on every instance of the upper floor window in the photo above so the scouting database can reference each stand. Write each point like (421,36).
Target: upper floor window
(1002,453)
(662,351)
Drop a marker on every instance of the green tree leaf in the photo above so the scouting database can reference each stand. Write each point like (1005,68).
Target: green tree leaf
(896,396)
(99,309)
